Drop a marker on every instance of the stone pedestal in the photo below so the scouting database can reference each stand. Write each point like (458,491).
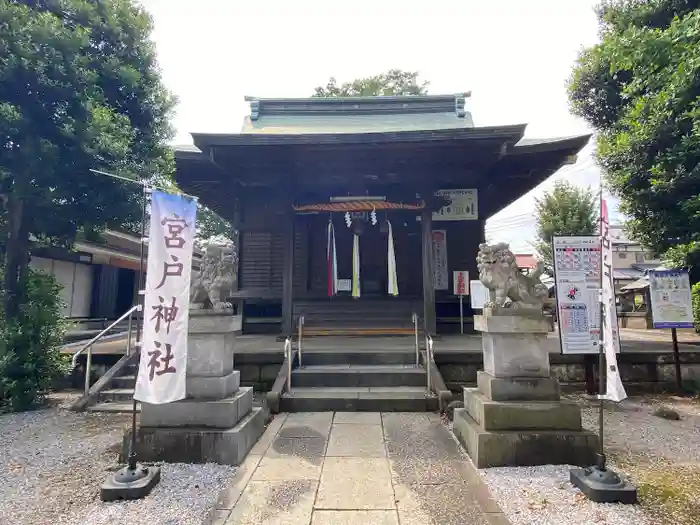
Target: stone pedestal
(216,423)
(515,416)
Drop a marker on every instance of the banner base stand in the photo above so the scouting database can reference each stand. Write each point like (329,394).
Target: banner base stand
(130,484)
(603,485)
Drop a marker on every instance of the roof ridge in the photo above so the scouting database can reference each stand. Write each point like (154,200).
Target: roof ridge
(343,106)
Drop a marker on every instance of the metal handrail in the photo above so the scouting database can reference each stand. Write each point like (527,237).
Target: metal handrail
(88,347)
(428,361)
(301,336)
(414,319)
(288,356)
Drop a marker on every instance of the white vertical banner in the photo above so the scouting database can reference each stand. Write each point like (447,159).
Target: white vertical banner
(163,364)
(615,390)
(391,264)
(440,259)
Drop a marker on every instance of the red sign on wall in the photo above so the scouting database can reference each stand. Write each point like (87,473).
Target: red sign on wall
(460,282)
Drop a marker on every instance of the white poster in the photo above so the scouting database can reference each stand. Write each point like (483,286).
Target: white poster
(460,282)
(577,262)
(440,259)
(163,364)
(615,390)
(479,294)
(671,302)
(464,206)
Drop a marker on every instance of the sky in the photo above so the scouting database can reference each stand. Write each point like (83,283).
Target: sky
(514,56)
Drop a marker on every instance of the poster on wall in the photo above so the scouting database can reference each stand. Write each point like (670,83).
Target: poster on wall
(577,266)
(671,302)
(479,294)
(464,206)
(440,259)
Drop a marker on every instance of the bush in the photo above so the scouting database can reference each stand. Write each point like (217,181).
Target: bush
(696,306)
(30,358)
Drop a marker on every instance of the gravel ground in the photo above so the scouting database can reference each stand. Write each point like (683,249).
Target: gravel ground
(544,496)
(661,457)
(54,461)
(183,497)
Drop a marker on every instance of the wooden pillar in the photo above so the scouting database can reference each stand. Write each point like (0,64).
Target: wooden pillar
(288,276)
(426,226)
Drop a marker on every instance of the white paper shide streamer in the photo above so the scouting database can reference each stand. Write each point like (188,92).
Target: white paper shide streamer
(163,364)
(615,390)
(391,264)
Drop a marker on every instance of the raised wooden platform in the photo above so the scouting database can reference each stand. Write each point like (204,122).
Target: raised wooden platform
(371,316)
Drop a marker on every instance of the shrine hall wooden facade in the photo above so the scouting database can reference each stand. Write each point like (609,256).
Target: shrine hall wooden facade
(416,163)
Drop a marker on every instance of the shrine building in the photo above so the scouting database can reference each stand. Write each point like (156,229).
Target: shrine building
(355,212)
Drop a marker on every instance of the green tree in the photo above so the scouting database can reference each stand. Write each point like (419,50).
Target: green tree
(640,89)
(393,82)
(566,210)
(79,89)
(210,223)
(38,331)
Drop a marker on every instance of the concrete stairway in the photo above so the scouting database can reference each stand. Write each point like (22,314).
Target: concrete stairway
(349,381)
(119,397)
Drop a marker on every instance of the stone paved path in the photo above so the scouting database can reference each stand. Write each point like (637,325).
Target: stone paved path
(355,468)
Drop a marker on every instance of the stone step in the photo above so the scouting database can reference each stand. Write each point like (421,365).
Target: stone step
(318,357)
(359,375)
(361,321)
(114,407)
(117,395)
(358,399)
(127,381)
(321,331)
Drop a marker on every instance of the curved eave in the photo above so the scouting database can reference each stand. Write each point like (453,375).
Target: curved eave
(511,134)
(529,146)
(521,166)
(196,175)
(526,166)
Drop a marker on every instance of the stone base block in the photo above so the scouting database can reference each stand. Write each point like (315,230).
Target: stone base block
(518,388)
(523,448)
(213,387)
(521,415)
(198,445)
(222,413)
(515,354)
(512,321)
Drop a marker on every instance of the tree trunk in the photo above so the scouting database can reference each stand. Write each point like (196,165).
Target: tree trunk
(16,257)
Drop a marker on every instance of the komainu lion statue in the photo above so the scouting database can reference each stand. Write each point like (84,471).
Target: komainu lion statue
(508,286)
(216,279)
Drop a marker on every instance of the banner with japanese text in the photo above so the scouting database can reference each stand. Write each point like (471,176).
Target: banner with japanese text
(615,390)
(163,365)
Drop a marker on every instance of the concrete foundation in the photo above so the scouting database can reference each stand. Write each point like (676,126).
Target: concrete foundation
(523,448)
(515,416)
(220,413)
(216,422)
(198,445)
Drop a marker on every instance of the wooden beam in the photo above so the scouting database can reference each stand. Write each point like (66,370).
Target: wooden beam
(426,226)
(288,276)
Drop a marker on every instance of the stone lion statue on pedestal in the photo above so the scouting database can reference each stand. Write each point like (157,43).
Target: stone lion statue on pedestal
(508,286)
(217,277)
